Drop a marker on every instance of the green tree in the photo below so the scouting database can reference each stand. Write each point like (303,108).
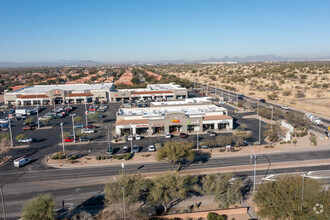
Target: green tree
(77,119)
(40,207)
(274,133)
(93,116)
(281,199)
(296,119)
(170,188)
(176,153)
(135,80)
(227,189)
(20,136)
(133,187)
(224,140)
(215,216)
(29,120)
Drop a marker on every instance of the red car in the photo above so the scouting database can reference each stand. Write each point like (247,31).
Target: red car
(183,135)
(26,128)
(90,126)
(201,93)
(68,139)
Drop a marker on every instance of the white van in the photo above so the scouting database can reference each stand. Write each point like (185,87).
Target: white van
(22,161)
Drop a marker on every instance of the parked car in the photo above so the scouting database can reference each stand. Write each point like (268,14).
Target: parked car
(135,149)
(68,139)
(90,126)
(56,116)
(285,107)
(137,137)
(79,126)
(87,131)
(168,135)
(151,147)
(130,138)
(211,133)
(262,100)
(125,149)
(199,138)
(4,121)
(25,140)
(21,117)
(100,116)
(183,135)
(83,139)
(26,128)
(203,145)
(4,125)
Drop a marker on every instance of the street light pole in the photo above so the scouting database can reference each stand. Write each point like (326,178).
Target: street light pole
(62,138)
(3,204)
(10,133)
(259,130)
(271,125)
(124,208)
(258,107)
(73,130)
(254,172)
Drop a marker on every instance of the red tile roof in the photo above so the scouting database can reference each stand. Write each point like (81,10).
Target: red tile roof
(133,122)
(80,94)
(217,117)
(32,96)
(17,87)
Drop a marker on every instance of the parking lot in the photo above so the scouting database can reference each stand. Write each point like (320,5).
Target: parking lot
(48,139)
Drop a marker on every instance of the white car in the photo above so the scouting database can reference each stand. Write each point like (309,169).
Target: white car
(151,148)
(168,135)
(87,131)
(25,140)
(130,138)
(285,107)
(4,121)
(137,137)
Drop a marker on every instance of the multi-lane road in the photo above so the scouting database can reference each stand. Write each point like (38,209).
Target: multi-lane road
(75,186)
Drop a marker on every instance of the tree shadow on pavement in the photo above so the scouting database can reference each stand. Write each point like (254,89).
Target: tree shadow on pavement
(93,206)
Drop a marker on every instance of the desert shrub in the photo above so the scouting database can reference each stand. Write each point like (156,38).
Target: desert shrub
(289,142)
(294,141)
(58,156)
(300,94)
(325,85)
(98,157)
(269,146)
(313,139)
(272,96)
(282,142)
(286,93)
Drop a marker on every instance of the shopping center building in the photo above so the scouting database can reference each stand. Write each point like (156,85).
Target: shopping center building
(88,93)
(169,91)
(190,115)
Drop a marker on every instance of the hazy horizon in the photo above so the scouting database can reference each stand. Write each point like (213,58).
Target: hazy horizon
(146,30)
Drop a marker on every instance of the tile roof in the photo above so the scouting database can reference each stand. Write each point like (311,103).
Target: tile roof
(135,121)
(217,117)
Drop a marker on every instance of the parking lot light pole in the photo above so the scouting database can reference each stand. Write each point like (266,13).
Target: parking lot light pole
(10,133)
(130,132)
(259,130)
(38,115)
(197,134)
(62,138)
(86,113)
(73,130)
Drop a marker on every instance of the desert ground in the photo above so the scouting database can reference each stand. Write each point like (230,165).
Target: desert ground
(303,85)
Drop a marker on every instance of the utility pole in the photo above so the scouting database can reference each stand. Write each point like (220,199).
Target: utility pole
(62,138)
(3,204)
(10,133)
(130,132)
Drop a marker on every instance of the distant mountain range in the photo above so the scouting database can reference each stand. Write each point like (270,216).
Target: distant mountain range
(225,59)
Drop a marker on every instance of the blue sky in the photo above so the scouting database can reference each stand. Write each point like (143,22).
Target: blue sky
(148,30)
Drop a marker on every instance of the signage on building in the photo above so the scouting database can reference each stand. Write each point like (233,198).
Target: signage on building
(57,92)
(145,125)
(157,124)
(175,121)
